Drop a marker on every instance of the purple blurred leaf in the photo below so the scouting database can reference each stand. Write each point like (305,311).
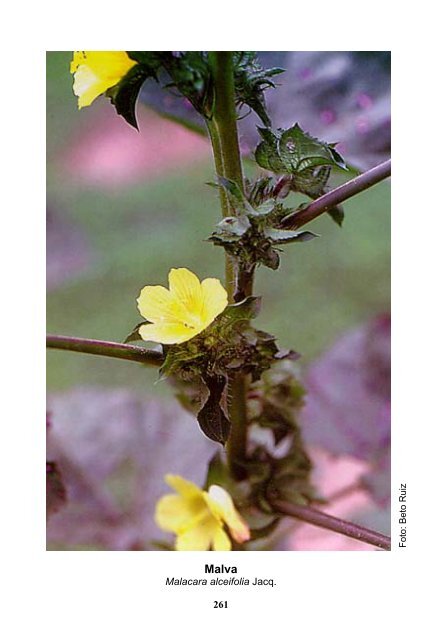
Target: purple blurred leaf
(347,409)
(378,480)
(113,448)
(55,489)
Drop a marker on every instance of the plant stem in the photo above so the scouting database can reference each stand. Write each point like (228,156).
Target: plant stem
(336,196)
(325,521)
(225,206)
(224,135)
(102,348)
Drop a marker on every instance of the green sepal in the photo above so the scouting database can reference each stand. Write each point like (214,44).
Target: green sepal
(218,473)
(232,228)
(247,309)
(258,532)
(179,355)
(134,335)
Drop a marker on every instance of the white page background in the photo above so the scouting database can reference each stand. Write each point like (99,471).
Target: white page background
(107,595)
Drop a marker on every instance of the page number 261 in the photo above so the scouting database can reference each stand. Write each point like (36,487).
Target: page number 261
(220,604)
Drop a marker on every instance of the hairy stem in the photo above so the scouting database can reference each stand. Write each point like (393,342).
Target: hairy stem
(109,349)
(325,521)
(224,135)
(225,206)
(336,196)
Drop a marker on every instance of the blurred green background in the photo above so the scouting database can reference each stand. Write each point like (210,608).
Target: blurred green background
(133,231)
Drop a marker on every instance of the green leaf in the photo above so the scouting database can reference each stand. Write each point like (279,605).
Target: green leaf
(232,188)
(278,236)
(235,226)
(251,82)
(190,74)
(150,59)
(179,355)
(212,419)
(312,181)
(124,95)
(300,151)
(337,214)
(236,197)
(270,258)
(267,154)
(295,152)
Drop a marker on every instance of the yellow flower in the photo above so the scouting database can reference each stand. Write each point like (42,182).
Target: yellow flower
(97,71)
(198,517)
(182,311)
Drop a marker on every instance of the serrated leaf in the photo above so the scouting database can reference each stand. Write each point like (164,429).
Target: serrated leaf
(297,153)
(267,154)
(251,81)
(212,419)
(300,151)
(278,236)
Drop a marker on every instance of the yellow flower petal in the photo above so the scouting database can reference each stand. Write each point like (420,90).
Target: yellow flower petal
(198,538)
(184,487)
(166,333)
(198,517)
(87,86)
(183,311)
(215,299)
(97,71)
(157,304)
(78,58)
(221,505)
(221,541)
(173,513)
(185,286)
